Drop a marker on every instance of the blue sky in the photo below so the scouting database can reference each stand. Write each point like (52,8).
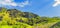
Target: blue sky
(39,7)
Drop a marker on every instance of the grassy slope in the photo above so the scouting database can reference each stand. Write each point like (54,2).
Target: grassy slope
(7,18)
(48,24)
(42,25)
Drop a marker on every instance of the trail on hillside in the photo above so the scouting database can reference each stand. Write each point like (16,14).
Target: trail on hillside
(47,25)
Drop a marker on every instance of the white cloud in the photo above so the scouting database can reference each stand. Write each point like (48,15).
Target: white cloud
(57,2)
(24,3)
(12,3)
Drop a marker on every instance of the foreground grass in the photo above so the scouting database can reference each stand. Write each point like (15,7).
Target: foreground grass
(46,24)
(14,26)
(40,25)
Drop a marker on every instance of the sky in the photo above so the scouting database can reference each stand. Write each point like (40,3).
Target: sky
(40,7)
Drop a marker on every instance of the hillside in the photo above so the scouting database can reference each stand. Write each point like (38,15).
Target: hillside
(13,18)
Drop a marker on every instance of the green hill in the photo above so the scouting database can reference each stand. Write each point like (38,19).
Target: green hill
(13,18)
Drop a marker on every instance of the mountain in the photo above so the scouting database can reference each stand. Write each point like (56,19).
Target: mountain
(13,18)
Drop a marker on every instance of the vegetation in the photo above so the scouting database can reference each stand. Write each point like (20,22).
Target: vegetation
(13,18)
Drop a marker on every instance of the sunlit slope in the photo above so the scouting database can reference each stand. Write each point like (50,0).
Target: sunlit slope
(50,24)
(13,18)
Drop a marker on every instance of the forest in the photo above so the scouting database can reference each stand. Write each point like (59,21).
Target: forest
(13,18)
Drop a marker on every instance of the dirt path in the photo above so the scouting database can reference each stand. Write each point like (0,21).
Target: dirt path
(45,25)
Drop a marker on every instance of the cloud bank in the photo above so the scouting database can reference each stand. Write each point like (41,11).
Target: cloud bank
(57,2)
(12,3)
